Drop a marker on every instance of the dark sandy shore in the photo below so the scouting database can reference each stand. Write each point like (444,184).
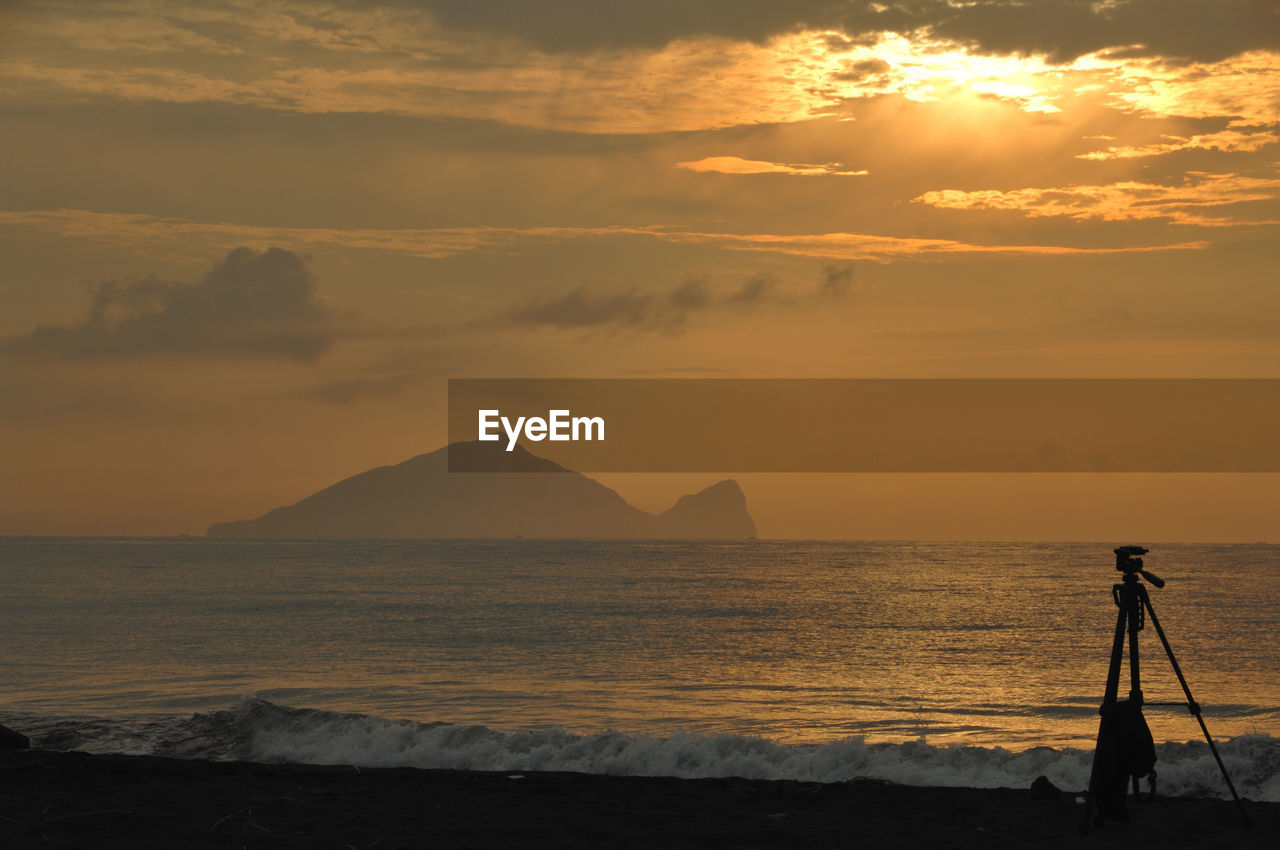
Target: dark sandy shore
(50,799)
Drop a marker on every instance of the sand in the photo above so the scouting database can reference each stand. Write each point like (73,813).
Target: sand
(56,799)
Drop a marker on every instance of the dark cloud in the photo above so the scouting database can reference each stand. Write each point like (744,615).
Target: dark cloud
(836,280)
(573,25)
(583,309)
(1207,30)
(690,295)
(756,289)
(867,69)
(1060,29)
(249,304)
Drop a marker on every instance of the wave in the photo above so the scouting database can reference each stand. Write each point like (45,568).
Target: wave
(259,730)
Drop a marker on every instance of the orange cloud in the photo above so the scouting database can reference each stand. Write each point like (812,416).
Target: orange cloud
(738,165)
(884,249)
(1242,87)
(1230,140)
(397,60)
(1192,202)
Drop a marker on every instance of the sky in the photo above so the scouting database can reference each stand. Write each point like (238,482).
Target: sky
(243,245)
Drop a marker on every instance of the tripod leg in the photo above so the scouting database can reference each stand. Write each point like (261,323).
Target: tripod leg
(1113,687)
(1195,708)
(1135,623)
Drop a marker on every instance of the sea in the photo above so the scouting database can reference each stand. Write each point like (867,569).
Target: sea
(963,664)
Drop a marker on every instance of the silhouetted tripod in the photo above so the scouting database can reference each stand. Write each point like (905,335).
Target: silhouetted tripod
(1122,732)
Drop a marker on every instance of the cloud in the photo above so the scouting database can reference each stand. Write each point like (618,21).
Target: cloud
(583,309)
(738,85)
(710,64)
(888,249)
(1212,29)
(858,71)
(836,280)
(561,26)
(757,289)
(1209,30)
(181,239)
(176,238)
(1196,201)
(250,304)
(1241,89)
(738,165)
(1230,140)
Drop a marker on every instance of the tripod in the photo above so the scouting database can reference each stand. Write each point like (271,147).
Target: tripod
(1132,600)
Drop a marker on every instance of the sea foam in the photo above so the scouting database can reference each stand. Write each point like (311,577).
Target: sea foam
(259,730)
(263,731)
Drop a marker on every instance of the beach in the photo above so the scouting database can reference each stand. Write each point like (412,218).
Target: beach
(72,799)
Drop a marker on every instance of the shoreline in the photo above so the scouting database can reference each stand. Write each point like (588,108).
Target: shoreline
(73,799)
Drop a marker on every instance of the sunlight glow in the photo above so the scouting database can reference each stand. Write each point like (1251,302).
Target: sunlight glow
(337,59)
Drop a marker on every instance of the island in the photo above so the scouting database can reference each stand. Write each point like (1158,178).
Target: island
(517,495)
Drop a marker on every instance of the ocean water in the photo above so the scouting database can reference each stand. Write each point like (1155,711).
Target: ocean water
(979,664)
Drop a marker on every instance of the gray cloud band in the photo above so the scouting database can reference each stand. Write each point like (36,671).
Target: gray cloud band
(1195,29)
(870,425)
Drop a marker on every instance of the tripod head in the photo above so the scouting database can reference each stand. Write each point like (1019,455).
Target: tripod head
(1128,562)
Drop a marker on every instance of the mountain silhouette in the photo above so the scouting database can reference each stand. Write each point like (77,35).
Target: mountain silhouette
(523,496)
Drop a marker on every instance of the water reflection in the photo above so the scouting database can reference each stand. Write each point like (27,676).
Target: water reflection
(799,642)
